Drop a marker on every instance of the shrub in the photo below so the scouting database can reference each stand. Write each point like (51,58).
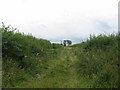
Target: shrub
(22,55)
(98,59)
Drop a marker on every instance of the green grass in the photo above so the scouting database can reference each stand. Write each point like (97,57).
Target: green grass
(60,73)
(98,60)
(91,64)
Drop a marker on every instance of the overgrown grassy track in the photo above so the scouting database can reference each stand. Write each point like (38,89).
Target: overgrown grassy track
(37,63)
(60,73)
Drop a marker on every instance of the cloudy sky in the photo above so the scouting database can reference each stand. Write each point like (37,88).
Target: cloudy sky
(56,20)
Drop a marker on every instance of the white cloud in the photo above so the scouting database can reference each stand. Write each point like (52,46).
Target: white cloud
(61,19)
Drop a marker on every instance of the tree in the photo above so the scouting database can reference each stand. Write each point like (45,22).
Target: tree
(67,42)
(64,42)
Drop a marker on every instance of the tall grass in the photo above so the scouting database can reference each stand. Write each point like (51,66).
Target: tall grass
(28,60)
(98,60)
(23,55)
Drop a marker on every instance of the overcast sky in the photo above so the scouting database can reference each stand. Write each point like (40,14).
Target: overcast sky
(56,20)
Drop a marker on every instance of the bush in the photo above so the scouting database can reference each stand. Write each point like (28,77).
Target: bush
(98,59)
(22,55)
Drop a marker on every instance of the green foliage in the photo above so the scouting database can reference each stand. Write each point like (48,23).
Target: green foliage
(22,44)
(55,51)
(100,42)
(107,78)
(24,54)
(98,59)
(93,63)
(55,46)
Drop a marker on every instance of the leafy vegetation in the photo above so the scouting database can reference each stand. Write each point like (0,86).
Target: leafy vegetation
(37,63)
(22,55)
(98,60)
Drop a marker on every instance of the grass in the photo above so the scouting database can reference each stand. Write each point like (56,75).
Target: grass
(29,62)
(59,74)
(98,60)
